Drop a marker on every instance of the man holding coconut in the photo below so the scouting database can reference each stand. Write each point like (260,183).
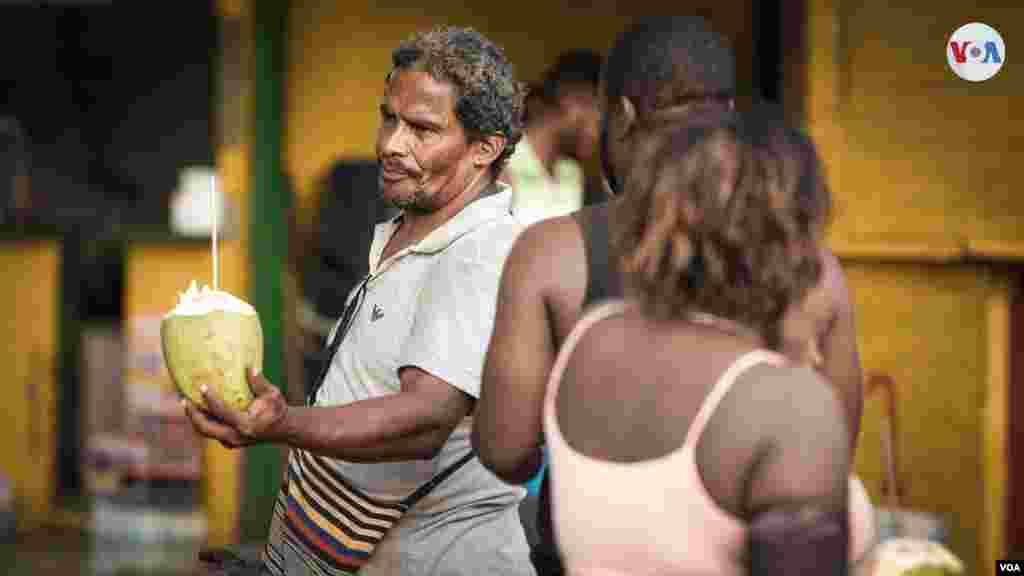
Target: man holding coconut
(381,479)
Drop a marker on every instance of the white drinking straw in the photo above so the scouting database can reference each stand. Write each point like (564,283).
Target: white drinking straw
(213,237)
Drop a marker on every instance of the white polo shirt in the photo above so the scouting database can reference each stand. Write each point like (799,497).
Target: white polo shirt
(431,306)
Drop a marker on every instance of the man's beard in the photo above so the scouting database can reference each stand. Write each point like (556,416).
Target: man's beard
(415,202)
(423,201)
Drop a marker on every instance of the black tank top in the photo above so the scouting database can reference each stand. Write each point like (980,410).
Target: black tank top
(603,282)
(603,279)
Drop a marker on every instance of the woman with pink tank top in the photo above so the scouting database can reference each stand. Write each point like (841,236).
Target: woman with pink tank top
(678,442)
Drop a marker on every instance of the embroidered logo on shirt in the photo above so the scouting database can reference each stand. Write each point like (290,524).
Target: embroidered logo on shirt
(376,314)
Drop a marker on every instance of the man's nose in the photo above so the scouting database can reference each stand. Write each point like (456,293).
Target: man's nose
(393,141)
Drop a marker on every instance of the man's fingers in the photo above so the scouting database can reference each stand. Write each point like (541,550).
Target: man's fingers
(204,424)
(259,385)
(217,407)
(210,428)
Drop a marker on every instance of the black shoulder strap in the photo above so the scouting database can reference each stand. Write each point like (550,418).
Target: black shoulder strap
(603,279)
(440,477)
(351,307)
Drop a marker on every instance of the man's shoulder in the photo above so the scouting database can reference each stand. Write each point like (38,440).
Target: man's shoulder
(506,225)
(493,238)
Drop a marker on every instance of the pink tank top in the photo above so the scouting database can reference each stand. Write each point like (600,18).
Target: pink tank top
(655,516)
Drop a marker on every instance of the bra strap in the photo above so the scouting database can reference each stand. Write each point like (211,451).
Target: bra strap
(593,316)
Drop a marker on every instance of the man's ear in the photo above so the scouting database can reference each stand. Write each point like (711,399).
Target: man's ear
(487,149)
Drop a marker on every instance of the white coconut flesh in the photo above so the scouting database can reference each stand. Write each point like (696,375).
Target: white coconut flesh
(210,338)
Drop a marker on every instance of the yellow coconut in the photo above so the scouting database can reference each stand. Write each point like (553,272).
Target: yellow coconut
(211,338)
(910,557)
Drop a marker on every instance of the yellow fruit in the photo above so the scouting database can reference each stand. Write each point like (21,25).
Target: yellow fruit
(214,348)
(912,557)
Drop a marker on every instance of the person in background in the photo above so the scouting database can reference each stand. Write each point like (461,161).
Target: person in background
(7,519)
(668,416)
(532,102)
(561,134)
(381,478)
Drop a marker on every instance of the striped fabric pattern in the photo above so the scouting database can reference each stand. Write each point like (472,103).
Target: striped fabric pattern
(325,520)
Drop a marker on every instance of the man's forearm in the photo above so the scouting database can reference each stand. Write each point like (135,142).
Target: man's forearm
(392,428)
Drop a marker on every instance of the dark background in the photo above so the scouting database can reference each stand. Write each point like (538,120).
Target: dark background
(111,107)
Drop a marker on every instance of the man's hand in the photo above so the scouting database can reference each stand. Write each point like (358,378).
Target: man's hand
(263,421)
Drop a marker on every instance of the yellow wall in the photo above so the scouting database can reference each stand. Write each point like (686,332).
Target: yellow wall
(996,440)
(339,54)
(30,308)
(915,153)
(921,165)
(928,327)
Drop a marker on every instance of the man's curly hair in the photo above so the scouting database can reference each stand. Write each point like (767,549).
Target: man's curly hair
(719,219)
(488,99)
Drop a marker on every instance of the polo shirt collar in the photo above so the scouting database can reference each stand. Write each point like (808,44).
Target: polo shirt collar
(471,217)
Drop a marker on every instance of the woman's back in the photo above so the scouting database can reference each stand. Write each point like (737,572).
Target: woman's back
(653,430)
(632,371)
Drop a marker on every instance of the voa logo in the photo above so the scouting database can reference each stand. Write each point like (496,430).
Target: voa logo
(976,52)
(1004,567)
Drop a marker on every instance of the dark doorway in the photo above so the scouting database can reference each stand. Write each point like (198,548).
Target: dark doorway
(779,55)
(767,50)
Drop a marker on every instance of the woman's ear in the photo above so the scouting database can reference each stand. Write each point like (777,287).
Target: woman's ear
(623,118)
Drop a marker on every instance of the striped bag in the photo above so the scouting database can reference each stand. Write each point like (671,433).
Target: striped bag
(323,517)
